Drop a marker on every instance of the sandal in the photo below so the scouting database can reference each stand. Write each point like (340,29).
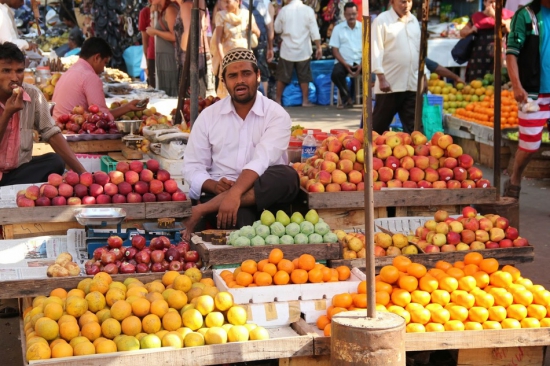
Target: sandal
(511,190)
(8,312)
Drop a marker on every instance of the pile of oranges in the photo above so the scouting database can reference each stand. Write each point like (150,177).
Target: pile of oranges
(483,112)
(276,270)
(472,294)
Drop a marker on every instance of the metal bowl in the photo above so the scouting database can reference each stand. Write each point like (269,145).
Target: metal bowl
(128,126)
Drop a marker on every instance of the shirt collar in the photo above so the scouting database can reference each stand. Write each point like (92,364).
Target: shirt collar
(396,17)
(357,25)
(258,107)
(85,64)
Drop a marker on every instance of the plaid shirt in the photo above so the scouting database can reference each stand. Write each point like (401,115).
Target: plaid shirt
(35,115)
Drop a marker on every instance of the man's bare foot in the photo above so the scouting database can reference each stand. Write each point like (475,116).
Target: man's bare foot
(307,105)
(190,223)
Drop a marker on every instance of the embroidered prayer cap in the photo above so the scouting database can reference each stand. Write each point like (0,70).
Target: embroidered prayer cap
(238,55)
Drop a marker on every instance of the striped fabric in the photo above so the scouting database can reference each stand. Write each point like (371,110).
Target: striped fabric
(531,125)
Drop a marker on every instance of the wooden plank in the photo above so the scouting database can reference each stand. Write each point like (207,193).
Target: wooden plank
(43,286)
(504,256)
(517,356)
(486,155)
(305,361)
(321,344)
(426,211)
(343,218)
(289,346)
(475,339)
(400,197)
(134,211)
(227,254)
(80,147)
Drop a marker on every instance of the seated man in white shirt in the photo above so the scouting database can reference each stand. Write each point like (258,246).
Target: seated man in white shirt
(346,46)
(235,160)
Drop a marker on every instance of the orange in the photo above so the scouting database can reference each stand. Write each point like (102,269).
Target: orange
(441,297)
(448,284)
(334,311)
(362,287)
(467,283)
(131,326)
(295,263)
(342,300)
(489,324)
(497,313)
(478,314)
(428,284)
(306,262)
(459,264)
(473,326)
(542,297)
(545,322)
(59,292)
(343,273)
(172,321)
(262,263)
(436,272)
(281,278)
(322,322)
(315,276)
(244,278)
(360,300)
(443,265)
(509,323)
(463,298)
(299,276)
(401,263)
(275,256)
(483,299)
(513,271)
(523,297)
(225,274)
(249,266)
(92,331)
(530,323)
(285,265)
(327,330)
(401,297)
(382,298)
(470,269)
(516,311)
(104,276)
(269,268)
(455,272)
(502,297)
(401,312)
(121,310)
(482,279)
(408,283)
(141,307)
(327,274)
(389,274)
(434,327)
(415,328)
(379,286)
(458,312)
(416,270)
(158,308)
(473,258)
(501,279)
(488,265)
(536,311)
(440,316)
(263,279)
(169,277)
(420,297)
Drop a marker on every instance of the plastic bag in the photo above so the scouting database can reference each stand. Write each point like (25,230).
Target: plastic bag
(292,95)
(173,150)
(431,118)
(322,83)
(132,57)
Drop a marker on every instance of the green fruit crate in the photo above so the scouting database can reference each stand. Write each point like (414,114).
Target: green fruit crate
(108,164)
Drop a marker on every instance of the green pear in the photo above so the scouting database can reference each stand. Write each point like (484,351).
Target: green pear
(282,217)
(312,217)
(267,218)
(297,218)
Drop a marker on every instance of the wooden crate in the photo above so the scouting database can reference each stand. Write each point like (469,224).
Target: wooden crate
(487,156)
(43,286)
(82,147)
(520,347)
(134,211)
(213,255)
(504,256)
(427,211)
(285,343)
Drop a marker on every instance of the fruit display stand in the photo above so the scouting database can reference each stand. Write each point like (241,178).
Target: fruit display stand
(345,210)
(20,222)
(483,347)
(476,140)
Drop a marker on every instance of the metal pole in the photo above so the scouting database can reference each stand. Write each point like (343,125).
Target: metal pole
(497,84)
(193,49)
(421,63)
(183,86)
(367,148)
(249,30)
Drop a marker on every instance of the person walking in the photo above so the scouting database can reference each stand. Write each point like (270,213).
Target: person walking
(346,46)
(527,53)
(297,25)
(395,50)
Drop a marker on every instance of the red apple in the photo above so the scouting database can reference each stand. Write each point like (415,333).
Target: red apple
(191,256)
(114,241)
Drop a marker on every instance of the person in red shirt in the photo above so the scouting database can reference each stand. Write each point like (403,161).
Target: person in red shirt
(81,85)
(23,109)
(148,43)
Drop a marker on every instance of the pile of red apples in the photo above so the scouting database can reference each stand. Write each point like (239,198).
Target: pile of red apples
(92,122)
(129,183)
(467,232)
(159,256)
(400,161)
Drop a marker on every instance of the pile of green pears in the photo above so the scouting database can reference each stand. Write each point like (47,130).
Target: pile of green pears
(281,229)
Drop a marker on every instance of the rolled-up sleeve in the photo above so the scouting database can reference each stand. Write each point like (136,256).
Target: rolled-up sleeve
(43,121)
(197,159)
(377,47)
(274,143)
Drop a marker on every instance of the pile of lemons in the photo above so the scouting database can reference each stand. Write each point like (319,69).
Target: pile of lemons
(104,316)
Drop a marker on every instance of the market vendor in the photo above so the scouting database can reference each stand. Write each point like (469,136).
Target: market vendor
(8,29)
(235,160)
(23,108)
(81,85)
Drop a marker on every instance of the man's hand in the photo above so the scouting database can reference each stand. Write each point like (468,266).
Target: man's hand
(357,71)
(520,94)
(383,83)
(318,53)
(269,55)
(133,106)
(151,31)
(223,185)
(33,47)
(14,103)
(459,80)
(227,213)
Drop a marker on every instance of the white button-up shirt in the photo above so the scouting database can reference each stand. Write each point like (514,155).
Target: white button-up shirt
(348,41)
(8,30)
(298,27)
(222,144)
(395,50)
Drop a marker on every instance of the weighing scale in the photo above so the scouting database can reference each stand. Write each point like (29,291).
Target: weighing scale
(131,141)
